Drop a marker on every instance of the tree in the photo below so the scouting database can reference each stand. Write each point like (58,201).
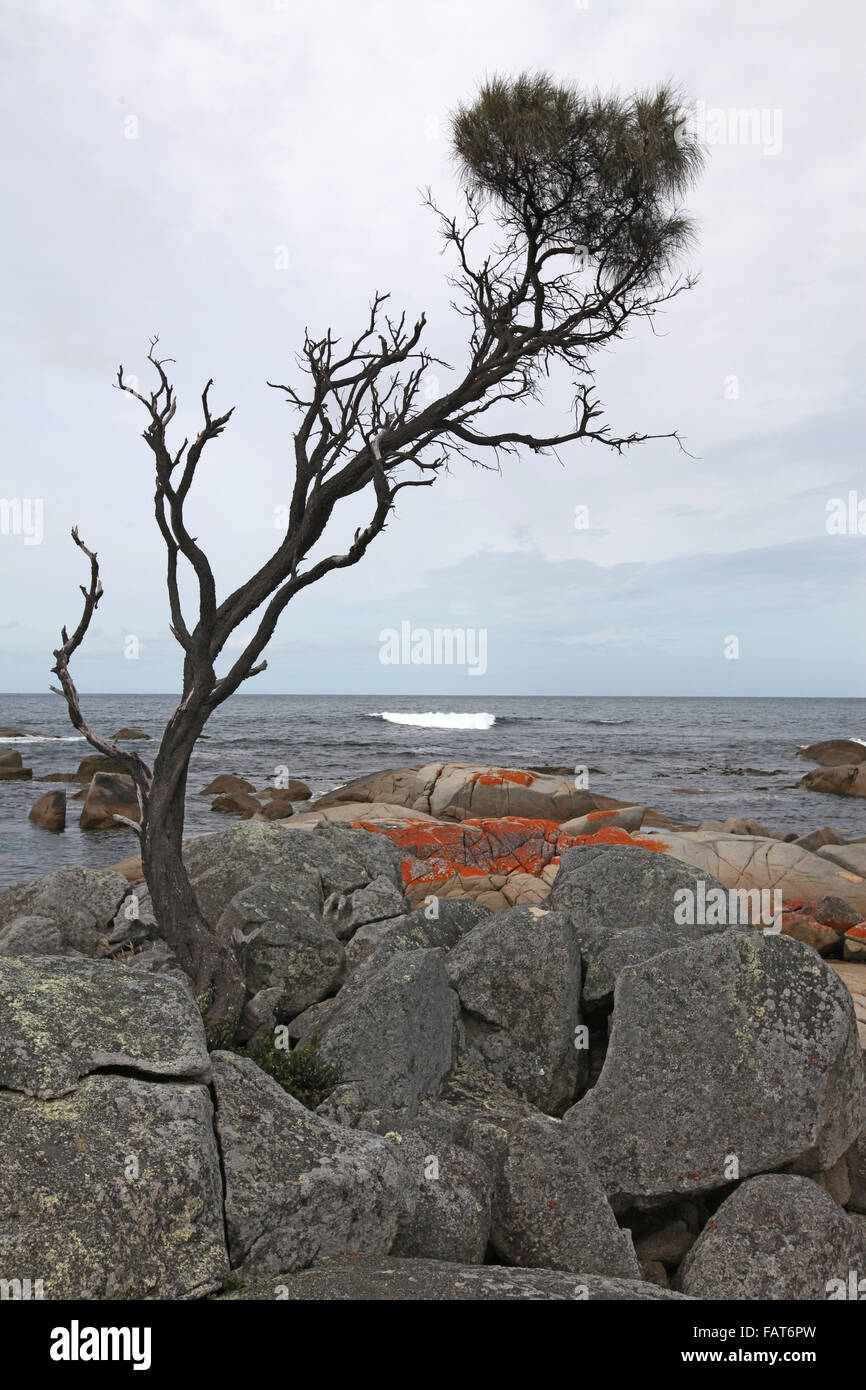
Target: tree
(583,198)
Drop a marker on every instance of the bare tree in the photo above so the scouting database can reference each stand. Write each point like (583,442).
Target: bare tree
(582,195)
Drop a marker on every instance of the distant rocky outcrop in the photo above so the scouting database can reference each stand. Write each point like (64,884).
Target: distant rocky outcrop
(834,751)
(846,779)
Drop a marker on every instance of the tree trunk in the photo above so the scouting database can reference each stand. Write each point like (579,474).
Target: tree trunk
(210,963)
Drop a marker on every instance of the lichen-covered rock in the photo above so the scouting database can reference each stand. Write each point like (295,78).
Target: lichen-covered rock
(440,922)
(617,887)
(394,1032)
(377,1280)
(83,903)
(62,1018)
(550,1210)
(222,864)
(296,1185)
(345,913)
(113,1191)
(518,981)
(775,1237)
(451,1220)
(275,923)
(727,1058)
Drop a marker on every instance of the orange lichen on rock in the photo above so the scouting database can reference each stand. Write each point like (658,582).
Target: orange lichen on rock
(488,845)
(497,775)
(613,835)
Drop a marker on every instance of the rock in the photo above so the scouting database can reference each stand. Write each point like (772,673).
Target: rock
(114,1191)
(620,887)
(775,1237)
(129,734)
(109,796)
(57,777)
(835,912)
(803,927)
(34,936)
(277,810)
(441,922)
(630,818)
(458,791)
(11,766)
(787,837)
(827,835)
(747,862)
(394,1033)
(852,858)
(95,762)
(665,1246)
(834,751)
(237,804)
(856,1160)
(378,902)
(61,1019)
(297,1186)
(451,1220)
(369,1279)
(225,783)
(286,946)
(294,790)
(221,864)
(853,976)
(10,731)
(518,981)
(847,780)
(49,812)
(81,902)
(727,1057)
(854,943)
(550,1210)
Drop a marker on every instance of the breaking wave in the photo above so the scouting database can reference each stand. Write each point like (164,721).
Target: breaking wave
(437,719)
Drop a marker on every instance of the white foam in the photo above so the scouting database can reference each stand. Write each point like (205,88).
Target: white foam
(46,738)
(438,719)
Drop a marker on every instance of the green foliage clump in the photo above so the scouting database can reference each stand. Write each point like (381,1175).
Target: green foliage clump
(301,1072)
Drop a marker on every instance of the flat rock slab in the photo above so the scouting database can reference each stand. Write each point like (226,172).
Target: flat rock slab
(749,861)
(297,1185)
(62,1018)
(775,1237)
(742,1046)
(113,1192)
(377,1280)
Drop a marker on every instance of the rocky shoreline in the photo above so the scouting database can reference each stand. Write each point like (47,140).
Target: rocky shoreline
(501,1040)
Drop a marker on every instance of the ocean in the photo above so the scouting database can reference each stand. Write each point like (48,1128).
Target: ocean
(690,758)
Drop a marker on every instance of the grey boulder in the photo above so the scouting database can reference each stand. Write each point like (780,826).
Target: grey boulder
(550,1209)
(296,1185)
(775,1237)
(393,1034)
(727,1058)
(518,980)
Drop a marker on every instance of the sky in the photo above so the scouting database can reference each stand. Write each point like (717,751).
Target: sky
(226,174)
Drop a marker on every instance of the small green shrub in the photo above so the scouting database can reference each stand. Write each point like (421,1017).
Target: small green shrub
(301,1073)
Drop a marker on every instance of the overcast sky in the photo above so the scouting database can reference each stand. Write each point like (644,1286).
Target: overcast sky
(159,156)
